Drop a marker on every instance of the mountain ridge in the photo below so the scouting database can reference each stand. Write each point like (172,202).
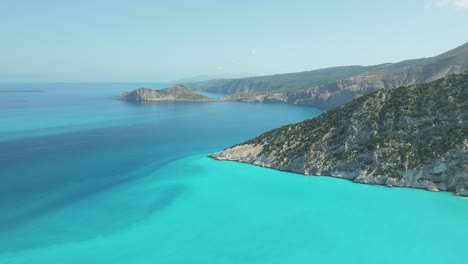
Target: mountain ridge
(332,87)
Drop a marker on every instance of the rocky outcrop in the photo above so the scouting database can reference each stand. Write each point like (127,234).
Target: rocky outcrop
(414,136)
(176,93)
(320,89)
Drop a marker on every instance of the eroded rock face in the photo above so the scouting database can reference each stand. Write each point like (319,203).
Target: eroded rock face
(247,153)
(406,137)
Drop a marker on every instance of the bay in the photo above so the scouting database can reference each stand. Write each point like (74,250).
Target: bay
(88,178)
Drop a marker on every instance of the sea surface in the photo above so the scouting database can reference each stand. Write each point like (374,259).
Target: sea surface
(86,178)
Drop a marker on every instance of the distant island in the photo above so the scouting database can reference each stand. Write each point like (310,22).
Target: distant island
(176,93)
(415,136)
(331,87)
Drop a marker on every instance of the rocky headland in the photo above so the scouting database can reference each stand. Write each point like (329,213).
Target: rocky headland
(176,93)
(414,136)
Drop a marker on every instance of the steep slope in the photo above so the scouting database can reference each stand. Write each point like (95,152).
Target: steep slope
(333,87)
(414,136)
(176,93)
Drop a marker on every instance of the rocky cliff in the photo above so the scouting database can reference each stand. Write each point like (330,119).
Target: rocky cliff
(176,93)
(332,87)
(414,136)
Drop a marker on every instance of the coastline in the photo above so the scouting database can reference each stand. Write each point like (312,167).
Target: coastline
(429,188)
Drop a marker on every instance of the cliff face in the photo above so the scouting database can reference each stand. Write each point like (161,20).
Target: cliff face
(176,93)
(414,136)
(328,93)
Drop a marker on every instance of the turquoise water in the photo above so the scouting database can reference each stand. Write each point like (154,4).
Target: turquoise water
(89,179)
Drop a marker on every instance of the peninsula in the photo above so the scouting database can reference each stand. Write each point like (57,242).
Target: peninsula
(176,93)
(414,136)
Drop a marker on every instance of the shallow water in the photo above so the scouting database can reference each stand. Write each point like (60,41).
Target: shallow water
(89,179)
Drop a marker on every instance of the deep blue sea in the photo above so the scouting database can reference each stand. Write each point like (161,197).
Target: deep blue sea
(86,178)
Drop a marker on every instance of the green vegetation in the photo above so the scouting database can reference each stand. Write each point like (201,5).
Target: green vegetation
(281,82)
(386,132)
(182,92)
(332,87)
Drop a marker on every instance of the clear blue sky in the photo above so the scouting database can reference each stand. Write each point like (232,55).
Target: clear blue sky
(91,40)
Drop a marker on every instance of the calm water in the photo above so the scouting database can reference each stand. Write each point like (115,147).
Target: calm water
(86,178)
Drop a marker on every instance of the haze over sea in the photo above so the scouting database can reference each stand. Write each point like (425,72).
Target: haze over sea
(86,178)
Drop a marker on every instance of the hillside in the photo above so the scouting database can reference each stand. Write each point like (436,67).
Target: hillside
(176,93)
(280,82)
(332,87)
(414,136)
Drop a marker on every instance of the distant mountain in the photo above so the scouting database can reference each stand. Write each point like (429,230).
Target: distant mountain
(414,136)
(280,82)
(203,78)
(332,87)
(176,93)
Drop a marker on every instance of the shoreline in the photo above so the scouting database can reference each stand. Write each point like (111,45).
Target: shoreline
(453,193)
